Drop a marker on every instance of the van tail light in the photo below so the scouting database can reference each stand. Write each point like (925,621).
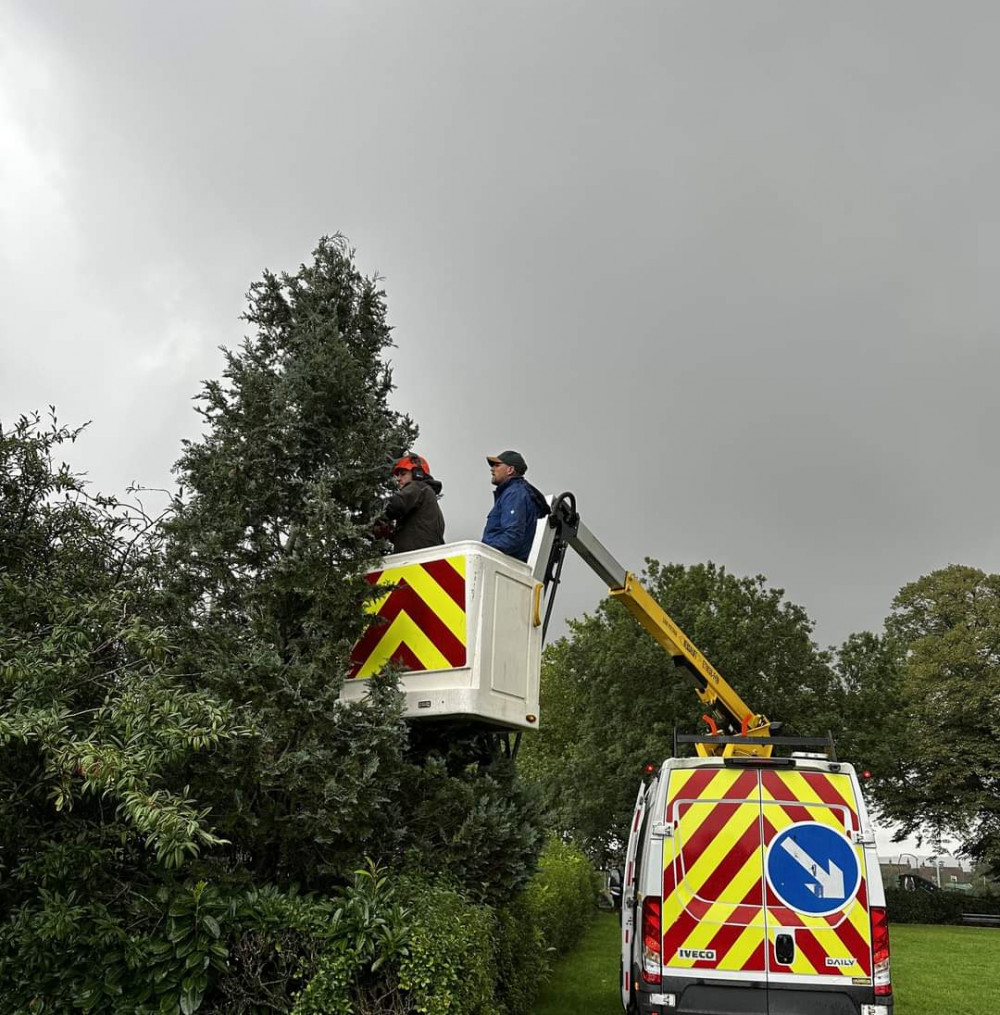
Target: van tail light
(880,951)
(651,939)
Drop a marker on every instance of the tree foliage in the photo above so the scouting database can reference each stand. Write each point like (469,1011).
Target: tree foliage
(174,761)
(264,578)
(410,944)
(96,739)
(872,715)
(264,567)
(468,815)
(611,697)
(947,775)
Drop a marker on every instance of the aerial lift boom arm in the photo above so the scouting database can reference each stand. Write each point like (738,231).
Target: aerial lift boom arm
(727,712)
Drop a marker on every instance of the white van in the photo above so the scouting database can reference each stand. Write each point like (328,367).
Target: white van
(752,886)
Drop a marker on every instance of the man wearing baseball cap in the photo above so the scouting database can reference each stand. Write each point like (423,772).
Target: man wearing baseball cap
(517,506)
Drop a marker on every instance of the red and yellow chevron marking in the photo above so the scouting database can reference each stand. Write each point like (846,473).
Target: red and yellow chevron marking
(788,797)
(713,889)
(421,623)
(812,796)
(715,898)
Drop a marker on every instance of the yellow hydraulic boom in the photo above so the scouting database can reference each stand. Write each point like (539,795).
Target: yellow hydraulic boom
(728,715)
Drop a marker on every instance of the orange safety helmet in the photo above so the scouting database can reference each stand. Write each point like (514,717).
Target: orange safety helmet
(412,463)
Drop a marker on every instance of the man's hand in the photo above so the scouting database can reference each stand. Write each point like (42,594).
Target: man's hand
(383,529)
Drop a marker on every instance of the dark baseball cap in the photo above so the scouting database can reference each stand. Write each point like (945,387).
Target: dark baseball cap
(511,458)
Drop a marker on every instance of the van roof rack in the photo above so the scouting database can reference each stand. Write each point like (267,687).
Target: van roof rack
(825,743)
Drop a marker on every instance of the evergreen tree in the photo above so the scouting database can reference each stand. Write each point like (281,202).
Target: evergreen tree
(264,577)
(264,570)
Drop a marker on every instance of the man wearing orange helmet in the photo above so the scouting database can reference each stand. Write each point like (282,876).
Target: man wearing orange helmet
(413,509)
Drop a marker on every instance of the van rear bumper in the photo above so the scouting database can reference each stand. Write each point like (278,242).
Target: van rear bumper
(710,997)
(682,995)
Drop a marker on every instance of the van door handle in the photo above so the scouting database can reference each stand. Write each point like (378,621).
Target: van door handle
(784,949)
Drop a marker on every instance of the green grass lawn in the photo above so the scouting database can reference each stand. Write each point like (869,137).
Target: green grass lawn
(586,981)
(945,969)
(935,971)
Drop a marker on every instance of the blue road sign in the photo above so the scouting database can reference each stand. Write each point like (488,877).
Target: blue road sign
(813,868)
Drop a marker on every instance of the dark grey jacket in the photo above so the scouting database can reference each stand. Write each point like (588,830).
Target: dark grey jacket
(418,517)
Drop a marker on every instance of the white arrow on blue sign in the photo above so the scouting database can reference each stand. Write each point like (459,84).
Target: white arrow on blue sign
(813,868)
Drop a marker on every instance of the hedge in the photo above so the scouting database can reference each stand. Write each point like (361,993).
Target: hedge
(404,945)
(408,946)
(562,894)
(544,922)
(936,907)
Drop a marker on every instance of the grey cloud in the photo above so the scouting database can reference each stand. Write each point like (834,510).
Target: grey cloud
(723,269)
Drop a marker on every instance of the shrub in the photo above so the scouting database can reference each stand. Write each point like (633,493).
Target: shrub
(407,945)
(450,963)
(402,947)
(476,825)
(563,894)
(935,907)
(368,931)
(276,942)
(522,962)
(544,922)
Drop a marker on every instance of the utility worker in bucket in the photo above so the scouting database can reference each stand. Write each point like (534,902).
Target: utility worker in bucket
(413,510)
(517,506)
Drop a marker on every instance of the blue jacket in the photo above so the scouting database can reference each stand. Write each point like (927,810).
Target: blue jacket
(510,526)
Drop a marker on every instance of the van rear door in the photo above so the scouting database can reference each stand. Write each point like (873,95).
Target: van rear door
(628,896)
(713,889)
(818,926)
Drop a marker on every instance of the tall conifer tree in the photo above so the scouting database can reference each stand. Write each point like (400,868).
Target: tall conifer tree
(269,545)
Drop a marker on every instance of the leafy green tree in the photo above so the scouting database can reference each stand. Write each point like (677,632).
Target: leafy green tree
(948,768)
(872,720)
(96,740)
(611,697)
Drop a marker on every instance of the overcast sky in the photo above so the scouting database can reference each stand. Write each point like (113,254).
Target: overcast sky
(725,270)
